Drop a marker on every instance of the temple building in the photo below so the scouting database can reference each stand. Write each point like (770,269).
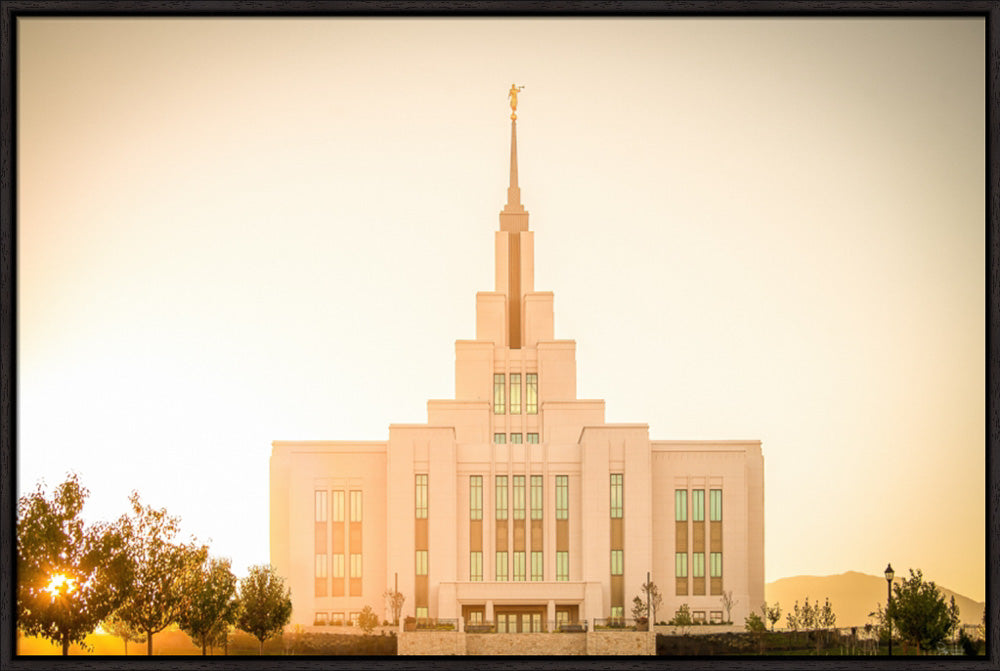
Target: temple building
(516,505)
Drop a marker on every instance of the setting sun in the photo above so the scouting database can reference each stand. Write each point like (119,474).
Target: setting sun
(60,584)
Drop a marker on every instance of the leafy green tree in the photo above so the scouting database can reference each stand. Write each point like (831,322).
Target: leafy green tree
(754,624)
(682,618)
(265,604)
(123,630)
(209,601)
(367,620)
(920,613)
(70,577)
(160,567)
(639,609)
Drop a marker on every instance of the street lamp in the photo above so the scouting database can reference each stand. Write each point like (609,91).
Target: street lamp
(889,574)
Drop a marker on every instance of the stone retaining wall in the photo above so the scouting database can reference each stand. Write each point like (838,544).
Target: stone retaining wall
(431,643)
(591,643)
(621,643)
(526,644)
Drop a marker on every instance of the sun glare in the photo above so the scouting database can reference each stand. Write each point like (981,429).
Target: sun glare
(60,584)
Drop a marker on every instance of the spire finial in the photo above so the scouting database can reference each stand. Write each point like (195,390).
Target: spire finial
(513,101)
(513,191)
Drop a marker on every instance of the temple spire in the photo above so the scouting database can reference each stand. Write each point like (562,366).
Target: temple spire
(513,191)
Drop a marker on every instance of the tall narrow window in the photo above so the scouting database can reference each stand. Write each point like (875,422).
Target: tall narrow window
(421,562)
(475,566)
(519,566)
(698,505)
(338,565)
(516,438)
(617,612)
(515,393)
(421,497)
(617,562)
(536,497)
(562,566)
(715,505)
(421,612)
(562,497)
(680,505)
(502,565)
(715,564)
(499,438)
(698,564)
(321,566)
(356,565)
(536,565)
(681,565)
(501,492)
(498,394)
(617,487)
(321,506)
(518,497)
(338,506)
(475,497)
(533,438)
(355,505)
(531,393)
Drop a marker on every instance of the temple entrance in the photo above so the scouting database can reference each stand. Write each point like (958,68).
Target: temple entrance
(520,619)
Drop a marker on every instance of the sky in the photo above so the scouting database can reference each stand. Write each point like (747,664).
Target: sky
(234,231)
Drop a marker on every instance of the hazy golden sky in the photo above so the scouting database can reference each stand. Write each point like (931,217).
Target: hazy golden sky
(232,231)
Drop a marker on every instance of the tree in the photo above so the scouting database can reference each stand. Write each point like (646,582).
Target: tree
(70,576)
(159,566)
(123,630)
(826,618)
(367,620)
(209,601)
(771,613)
(682,618)
(754,624)
(792,618)
(265,604)
(639,610)
(919,612)
(728,602)
(652,592)
(394,604)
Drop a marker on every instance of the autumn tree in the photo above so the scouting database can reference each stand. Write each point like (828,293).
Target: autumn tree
(919,612)
(394,603)
(119,628)
(70,576)
(209,602)
(160,567)
(639,610)
(265,604)
(652,593)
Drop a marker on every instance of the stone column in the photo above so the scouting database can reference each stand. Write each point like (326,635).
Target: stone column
(551,613)
(489,611)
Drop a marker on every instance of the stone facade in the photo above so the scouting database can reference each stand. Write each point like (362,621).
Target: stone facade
(589,643)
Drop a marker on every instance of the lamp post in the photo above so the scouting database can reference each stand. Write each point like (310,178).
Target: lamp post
(889,574)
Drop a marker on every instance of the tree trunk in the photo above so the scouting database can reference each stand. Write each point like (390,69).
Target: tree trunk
(260,650)
(125,638)
(203,645)
(65,645)
(149,643)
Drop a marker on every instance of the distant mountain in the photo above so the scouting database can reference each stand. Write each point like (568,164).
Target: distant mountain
(853,595)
